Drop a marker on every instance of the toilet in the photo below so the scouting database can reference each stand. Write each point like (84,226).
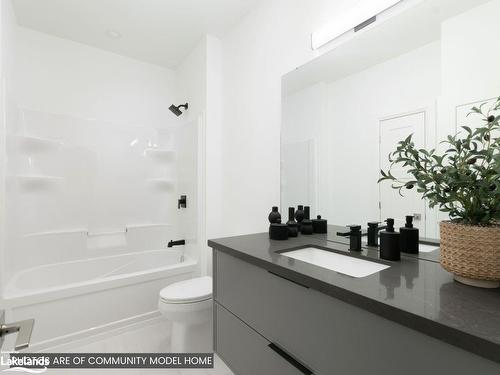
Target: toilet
(188,304)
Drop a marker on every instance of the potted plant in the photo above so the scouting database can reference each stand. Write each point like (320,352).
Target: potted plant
(464,181)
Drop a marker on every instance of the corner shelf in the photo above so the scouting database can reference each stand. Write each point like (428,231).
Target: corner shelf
(160,154)
(82,231)
(162,183)
(152,225)
(36,181)
(87,233)
(35,144)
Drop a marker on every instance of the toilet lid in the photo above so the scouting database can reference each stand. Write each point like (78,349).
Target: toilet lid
(188,291)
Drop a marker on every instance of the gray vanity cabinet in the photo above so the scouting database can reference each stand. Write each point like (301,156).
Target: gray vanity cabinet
(247,352)
(254,308)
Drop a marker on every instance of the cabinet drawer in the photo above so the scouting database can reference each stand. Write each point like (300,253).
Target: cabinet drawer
(330,336)
(248,353)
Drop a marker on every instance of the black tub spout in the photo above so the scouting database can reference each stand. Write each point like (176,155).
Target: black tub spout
(176,243)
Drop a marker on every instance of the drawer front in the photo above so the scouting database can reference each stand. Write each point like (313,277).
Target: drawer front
(330,336)
(246,352)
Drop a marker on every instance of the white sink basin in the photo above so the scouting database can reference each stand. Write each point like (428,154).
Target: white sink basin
(423,248)
(336,262)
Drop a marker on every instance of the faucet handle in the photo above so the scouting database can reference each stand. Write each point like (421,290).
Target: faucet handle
(353,230)
(182,202)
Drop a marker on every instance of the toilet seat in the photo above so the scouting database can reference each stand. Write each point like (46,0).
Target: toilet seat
(188,291)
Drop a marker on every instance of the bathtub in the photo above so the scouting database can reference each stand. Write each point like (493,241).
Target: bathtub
(73,299)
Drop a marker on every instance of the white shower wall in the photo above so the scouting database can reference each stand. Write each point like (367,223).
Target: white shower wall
(96,161)
(7,107)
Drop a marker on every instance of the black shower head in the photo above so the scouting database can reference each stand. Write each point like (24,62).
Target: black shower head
(176,109)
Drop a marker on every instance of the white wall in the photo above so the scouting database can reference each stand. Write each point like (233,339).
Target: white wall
(303,149)
(7,107)
(60,76)
(267,43)
(191,83)
(198,81)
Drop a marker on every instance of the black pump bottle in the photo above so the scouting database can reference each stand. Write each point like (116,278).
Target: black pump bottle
(293,226)
(306,224)
(409,237)
(389,242)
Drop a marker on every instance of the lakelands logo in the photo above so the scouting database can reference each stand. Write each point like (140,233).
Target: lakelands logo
(37,365)
(24,369)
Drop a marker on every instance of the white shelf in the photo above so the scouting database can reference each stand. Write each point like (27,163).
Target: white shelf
(85,231)
(160,154)
(57,232)
(35,144)
(161,183)
(37,181)
(152,225)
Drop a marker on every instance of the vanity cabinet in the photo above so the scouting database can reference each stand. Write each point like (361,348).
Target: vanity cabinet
(252,354)
(268,324)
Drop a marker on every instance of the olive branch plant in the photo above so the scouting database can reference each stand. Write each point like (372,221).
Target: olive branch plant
(464,181)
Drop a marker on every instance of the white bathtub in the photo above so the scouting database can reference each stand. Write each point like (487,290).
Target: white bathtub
(71,299)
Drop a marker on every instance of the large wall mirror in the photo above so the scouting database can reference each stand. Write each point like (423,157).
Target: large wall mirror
(419,69)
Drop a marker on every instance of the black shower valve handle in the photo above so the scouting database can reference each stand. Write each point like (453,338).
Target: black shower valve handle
(182,202)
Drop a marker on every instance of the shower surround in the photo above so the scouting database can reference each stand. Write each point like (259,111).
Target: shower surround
(95,165)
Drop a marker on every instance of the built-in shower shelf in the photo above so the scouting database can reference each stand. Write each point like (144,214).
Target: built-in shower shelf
(37,181)
(160,154)
(152,225)
(57,232)
(86,232)
(35,144)
(162,183)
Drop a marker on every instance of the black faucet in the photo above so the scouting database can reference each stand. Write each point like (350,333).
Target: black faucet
(176,243)
(373,229)
(354,237)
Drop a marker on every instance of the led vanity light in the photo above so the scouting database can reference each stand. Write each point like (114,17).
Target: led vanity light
(354,19)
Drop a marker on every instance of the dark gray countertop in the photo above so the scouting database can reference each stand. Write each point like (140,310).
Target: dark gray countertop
(416,293)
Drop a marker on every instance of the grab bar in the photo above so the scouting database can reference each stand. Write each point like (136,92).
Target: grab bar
(24,328)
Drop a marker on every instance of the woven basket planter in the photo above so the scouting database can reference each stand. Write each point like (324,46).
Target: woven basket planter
(471,253)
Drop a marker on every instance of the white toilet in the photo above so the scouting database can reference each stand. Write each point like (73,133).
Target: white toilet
(188,304)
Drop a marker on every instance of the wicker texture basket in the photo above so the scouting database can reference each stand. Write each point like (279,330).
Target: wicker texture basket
(471,251)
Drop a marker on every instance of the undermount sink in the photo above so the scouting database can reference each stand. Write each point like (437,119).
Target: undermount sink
(422,248)
(345,264)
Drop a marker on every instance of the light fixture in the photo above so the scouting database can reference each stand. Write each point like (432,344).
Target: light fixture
(113,34)
(354,19)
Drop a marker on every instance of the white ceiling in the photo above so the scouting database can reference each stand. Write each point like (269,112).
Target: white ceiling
(157,31)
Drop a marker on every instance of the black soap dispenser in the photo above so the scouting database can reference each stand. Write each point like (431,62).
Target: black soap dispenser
(306,225)
(274,216)
(299,215)
(320,225)
(293,227)
(277,231)
(409,237)
(389,242)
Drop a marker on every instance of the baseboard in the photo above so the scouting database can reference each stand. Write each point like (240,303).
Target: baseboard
(66,342)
